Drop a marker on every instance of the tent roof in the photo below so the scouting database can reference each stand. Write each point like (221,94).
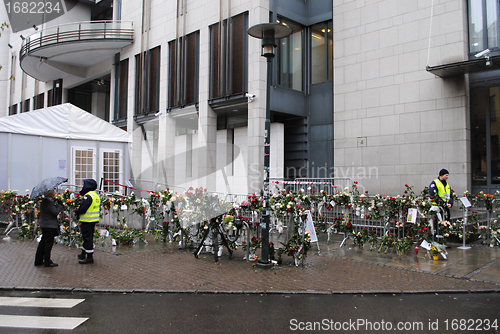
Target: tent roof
(63,121)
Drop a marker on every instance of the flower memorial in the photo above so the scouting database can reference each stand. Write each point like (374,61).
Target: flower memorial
(377,220)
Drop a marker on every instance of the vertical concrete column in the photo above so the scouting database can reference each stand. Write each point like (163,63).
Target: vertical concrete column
(5,60)
(166,150)
(99,105)
(207,138)
(277,151)
(207,120)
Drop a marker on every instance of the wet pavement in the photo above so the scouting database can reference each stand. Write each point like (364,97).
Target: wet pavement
(163,267)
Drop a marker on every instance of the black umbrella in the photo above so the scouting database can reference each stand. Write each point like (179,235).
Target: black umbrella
(46,185)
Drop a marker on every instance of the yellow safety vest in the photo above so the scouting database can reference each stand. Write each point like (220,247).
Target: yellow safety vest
(92,214)
(443,192)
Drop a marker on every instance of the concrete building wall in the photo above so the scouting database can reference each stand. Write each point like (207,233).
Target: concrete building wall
(395,123)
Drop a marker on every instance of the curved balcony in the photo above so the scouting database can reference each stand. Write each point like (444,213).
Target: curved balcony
(70,49)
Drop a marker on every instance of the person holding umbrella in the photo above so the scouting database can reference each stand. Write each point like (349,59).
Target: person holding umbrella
(50,228)
(88,213)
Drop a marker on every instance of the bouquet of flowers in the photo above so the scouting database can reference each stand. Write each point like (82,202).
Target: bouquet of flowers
(434,250)
(361,238)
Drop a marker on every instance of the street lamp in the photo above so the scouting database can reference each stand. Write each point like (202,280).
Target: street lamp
(268,33)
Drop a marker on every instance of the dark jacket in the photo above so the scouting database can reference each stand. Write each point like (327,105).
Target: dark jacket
(48,213)
(88,185)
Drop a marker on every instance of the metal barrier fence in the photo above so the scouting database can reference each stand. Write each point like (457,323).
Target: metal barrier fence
(281,226)
(309,185)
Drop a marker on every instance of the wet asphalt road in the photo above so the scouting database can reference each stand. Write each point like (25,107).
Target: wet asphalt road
(276,313)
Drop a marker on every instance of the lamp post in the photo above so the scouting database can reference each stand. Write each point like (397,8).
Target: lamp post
(268,33)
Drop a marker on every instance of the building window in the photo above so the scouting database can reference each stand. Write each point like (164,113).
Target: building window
(483,25)
(50,100)
(183,70)
(122,90)
(111,170)
(321,52)
(147,82)
(290,57)
(38,101)
(26,105)
(228,56)
(54,96)
(83,165)
(485,135)
(13,110)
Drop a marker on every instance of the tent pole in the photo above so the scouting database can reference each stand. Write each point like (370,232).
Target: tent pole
(9,159)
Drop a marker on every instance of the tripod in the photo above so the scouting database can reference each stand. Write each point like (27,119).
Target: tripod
(216,230)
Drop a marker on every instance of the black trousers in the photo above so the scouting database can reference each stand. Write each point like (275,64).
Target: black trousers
(45,246)
(87,230)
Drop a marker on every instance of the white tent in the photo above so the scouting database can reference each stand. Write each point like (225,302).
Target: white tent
(63,121)
(62,140)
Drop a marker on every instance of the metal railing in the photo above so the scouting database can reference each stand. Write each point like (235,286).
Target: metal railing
(74,32)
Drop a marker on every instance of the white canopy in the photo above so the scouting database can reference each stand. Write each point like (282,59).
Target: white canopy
(63,121)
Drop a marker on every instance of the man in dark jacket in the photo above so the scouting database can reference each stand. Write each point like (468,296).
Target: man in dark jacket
(50,228)
(88,213)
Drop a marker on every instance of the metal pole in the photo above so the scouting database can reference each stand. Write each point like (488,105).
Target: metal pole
(267,151)
(463,233)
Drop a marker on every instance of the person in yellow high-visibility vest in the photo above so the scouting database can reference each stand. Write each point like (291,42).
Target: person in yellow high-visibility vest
(88,213)
(440,192)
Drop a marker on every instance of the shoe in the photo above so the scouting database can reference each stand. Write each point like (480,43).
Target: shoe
(81,256)
(51,265)
(87,260)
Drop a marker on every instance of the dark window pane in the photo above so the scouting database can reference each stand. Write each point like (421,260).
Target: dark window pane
(237,53)
(50,98)
(228,57)
(216,68)
(290,57)
(191,91)
(478,135)
(138,85)
(123,90)
(183,71)
(318,53)
(172,79)
(154,80)
(495,134)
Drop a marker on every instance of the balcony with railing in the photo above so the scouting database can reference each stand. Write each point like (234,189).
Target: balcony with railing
(70,49)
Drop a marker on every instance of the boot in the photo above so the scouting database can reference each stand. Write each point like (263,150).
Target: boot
(81,256)
(89,259)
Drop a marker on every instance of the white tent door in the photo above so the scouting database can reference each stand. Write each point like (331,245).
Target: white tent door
(84,165)
(112,171)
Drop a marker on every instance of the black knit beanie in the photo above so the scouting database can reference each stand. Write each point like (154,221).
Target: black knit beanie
(443,172)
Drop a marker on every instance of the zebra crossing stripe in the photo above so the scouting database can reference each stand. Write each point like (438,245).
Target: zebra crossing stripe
(40,302)
(24,321)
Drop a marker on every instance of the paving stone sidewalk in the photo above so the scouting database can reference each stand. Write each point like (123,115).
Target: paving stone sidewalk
(168,269)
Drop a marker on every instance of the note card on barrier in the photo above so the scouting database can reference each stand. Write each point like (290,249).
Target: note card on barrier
(412,216)
(424,244)
(465,202)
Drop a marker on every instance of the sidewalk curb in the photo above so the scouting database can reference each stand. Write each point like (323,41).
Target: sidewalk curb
(245,292)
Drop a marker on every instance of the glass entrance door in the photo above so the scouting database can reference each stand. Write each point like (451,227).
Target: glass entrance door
(485,136)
